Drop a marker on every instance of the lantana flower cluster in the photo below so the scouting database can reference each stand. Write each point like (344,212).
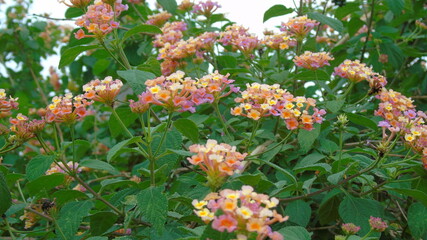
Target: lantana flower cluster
(400,116)
(7,104)
(218,161)
(100,19)
(158,19)
(299,26)
(279,41)
(354,71)
(240,39)
(350,228)
(175,93)
(245,212)
(104,91)
(377,224)
(67,109)
(25,129)
(313,61)
(216,85)
(262,100)
(205,8)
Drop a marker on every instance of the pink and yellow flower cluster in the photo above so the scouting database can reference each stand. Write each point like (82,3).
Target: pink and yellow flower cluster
(354,71)
(206,8)
(158,19)
(299,26)
(104,91)
(244,211)
(25,129)
(313,61)
(67,109)
(262,100)
(279,41)
(99,20)
(7,104)
(240,39)
(218,161)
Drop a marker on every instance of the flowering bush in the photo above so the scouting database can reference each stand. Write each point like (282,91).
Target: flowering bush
(173,122)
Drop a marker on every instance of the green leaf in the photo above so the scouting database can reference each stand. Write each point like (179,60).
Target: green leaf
(295,233)
(101,222)
(335,105)
(70,217)
(396,6)
(417,194)
(361,120)
(168,5)
(99,165)
(143,28)
(153,205)
(188,128)
(38,166)
(65,195)
(417,220)
(136,79)
(307,138)
(331,22)
(45,183)
(358,211)
(299,212)
(126,115)
(181,152)
(328,211)
(313,75)
(101,65)
(68,56)
(115,149)
(73,12)
(275,11)
(5,197)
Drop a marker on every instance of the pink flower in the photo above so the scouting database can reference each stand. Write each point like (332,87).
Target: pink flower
(224,222)
(377,224)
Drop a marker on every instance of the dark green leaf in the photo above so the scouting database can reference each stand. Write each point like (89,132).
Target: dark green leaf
(275,11)
(168,5)
(299,212)
(313,75)
(328,211)
(295,233)
(38,166)
(362,120)
(115,149)
(331,22)
(45,183)
(307,138)
(417,220)
(70,217)
(65,195)
(136,79)
(396,6)
(358,211)
(73,12)
(210,233)
(100,66)
(68,56)
(417,194)
(5,198)
(335,105)
(153,205)
(143,28)
(188,128)
(101,222)
(99,165)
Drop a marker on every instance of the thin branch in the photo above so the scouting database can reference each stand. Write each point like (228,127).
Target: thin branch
(371,18)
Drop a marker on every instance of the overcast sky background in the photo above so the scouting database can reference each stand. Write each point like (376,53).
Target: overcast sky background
(248,13)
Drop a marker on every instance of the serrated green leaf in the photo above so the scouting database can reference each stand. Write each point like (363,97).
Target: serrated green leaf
(335,105)
(328,211)
(136,79)
(299,212)
(99,165)
(68,56)
(417,220)
(295,233)
(143,28)
(5,197)
(188,128)
(331,22)
(113,153)
(153,205)
(358,211)
(45,183)
(275,11)
(307,138)
(168,5)
(70,217)
(101,222)
(38,166)
(361,120)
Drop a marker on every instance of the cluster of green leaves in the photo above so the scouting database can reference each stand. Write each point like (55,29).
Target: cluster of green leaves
(331,175)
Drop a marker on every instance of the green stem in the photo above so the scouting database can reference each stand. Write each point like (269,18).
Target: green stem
(341,148)
(111,54)
(168,124)
(282,142)
(20,191)
(224,125)
(350,87)
(73,145)
(9,228)
(367,235)
(279,63)
(251,138)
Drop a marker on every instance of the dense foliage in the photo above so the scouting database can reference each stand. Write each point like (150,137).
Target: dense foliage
(175,123)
